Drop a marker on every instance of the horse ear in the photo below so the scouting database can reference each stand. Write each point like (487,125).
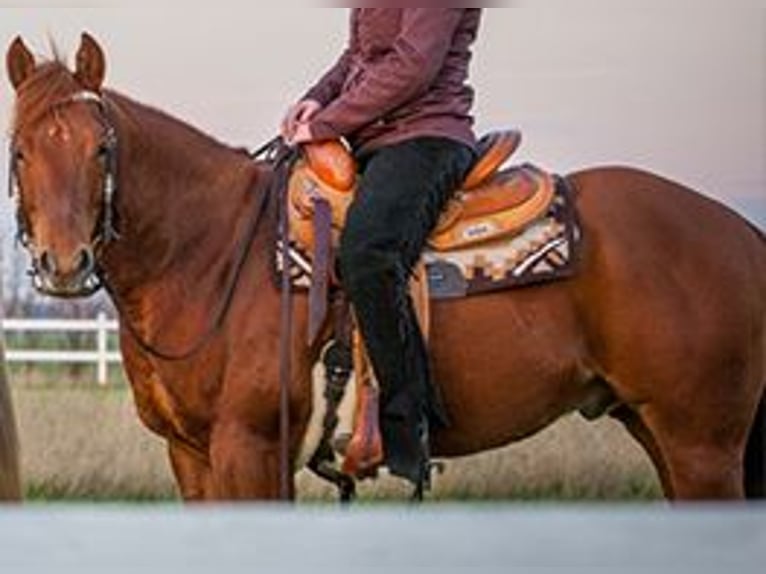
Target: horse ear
(90,64)
(19,62)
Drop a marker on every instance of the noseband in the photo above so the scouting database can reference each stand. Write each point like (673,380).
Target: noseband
(105,231)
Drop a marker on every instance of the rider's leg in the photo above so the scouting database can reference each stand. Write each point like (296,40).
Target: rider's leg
(403,190)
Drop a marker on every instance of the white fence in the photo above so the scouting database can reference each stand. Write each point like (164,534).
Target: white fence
(100,356)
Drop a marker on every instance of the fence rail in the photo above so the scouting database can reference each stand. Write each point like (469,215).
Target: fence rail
(100,356)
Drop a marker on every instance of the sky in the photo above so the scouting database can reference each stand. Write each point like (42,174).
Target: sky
(674,86)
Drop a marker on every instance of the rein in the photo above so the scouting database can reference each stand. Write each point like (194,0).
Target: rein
(281,162)
(283,158)
(286,160)
(243,251)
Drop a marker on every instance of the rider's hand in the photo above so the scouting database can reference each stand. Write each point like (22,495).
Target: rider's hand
(301,135)
(299,114)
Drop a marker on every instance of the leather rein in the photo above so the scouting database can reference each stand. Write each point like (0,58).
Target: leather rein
(242,252)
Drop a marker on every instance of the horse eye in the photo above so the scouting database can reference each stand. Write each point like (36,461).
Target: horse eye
(103,151)
(18,156)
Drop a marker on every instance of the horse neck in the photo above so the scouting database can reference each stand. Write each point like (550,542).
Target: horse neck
(182,199)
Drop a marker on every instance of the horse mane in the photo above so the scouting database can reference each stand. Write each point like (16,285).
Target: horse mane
(50,84)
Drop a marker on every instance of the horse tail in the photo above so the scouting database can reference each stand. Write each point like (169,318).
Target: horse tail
(755,452)
(10,475)
(755,455)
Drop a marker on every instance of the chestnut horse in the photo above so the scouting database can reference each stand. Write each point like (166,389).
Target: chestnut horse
(665,321)
(10,482)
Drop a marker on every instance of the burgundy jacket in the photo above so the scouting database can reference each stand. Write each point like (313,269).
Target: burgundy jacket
(403,75)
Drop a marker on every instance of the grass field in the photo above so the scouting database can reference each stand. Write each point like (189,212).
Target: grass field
(85,443)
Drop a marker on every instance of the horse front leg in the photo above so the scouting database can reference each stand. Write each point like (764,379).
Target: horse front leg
(245,463)
(192,472)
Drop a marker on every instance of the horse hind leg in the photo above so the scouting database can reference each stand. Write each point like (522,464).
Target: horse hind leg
(703,458)
(755,456)
(709,435)
(632,422)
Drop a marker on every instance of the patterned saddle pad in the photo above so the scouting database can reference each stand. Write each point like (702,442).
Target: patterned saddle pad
(545,250)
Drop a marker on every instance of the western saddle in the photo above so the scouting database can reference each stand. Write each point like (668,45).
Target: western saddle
(490,204)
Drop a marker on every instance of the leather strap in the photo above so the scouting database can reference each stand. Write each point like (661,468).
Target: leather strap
(318,293)
(283,164)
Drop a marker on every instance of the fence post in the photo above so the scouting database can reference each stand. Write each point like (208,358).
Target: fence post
(102,342)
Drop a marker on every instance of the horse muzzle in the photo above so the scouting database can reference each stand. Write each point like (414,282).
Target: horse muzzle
(66,277)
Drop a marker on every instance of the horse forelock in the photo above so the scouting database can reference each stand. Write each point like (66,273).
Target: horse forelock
(51,83)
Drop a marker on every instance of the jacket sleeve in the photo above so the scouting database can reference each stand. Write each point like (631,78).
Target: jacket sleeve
(329,86)
(407,71)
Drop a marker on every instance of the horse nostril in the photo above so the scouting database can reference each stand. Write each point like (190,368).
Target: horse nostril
(85,261)
(47,264)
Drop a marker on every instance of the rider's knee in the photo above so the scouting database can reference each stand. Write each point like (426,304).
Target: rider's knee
(360,259)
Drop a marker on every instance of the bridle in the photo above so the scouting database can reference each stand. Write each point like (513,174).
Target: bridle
(274,153)
(105,231)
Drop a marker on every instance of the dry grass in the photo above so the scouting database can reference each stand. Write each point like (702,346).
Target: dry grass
(86,443)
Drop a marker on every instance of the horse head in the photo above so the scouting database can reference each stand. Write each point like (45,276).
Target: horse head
(62,165)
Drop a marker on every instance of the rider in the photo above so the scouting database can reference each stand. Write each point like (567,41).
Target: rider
(399,95)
